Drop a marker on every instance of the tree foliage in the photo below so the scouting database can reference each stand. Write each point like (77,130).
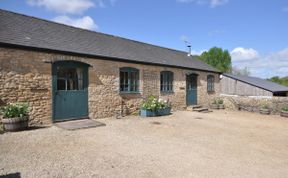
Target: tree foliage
(281,81)
(237,71)
(218,58)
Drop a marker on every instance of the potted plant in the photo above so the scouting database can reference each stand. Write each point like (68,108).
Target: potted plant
(284,112)
(265,110)
(220,104)
(214,104)
(163,108)
(153,107)
(15,116)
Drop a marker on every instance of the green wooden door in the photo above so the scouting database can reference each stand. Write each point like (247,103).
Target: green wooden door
(70,90)
(191,89)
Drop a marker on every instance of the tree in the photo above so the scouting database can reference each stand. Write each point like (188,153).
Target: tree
(218,58)
(245,71)
(281,81)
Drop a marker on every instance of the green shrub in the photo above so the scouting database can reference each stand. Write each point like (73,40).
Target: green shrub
(14,110)
(214,101)
(265,106)
(220,101)
(285,109)
(152,103)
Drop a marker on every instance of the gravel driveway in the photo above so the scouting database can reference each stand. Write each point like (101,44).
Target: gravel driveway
(185,144)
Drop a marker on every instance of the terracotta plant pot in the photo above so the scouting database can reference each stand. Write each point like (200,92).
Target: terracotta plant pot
(15,124)
(214,106)
(265,111)
(284,113)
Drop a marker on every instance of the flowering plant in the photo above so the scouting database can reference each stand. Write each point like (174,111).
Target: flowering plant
(14,110)
(152,103)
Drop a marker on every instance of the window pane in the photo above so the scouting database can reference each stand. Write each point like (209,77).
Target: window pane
(123,81)
(166,83)
(132,81)
(129,80)
(121,78)
(72,84)
(80,84)
(80,78)
(61,84)
(70,78)
(137,81)
(210,83)
(61,72)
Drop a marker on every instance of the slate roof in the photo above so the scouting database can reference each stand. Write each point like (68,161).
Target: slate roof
(258,82)
(27,31)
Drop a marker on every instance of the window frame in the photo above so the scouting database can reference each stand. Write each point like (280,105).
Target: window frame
(129,72)
(210,83)
(77,79)
(166,82)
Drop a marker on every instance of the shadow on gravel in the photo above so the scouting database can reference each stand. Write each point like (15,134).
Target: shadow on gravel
(156,123)
(12,175)
(2,130)
(36,128)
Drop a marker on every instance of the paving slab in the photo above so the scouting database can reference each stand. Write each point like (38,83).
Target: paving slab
(79,124)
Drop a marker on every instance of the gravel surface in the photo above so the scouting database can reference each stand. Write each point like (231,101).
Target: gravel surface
(185,144)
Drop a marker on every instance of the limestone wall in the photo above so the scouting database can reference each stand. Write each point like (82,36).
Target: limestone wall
(253,104)
(26,76)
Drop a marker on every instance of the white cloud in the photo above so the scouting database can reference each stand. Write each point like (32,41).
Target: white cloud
(212,3)
(66,6)
(196,52)
(242,54)
(85,22)
(215,3)
(113,2)
(184,38)
(265,65)
(216,32)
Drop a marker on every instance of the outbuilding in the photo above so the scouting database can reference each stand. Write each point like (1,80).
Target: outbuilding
(250,86)
(70,73)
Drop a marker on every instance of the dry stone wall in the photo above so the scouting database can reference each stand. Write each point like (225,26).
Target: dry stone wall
(253,104)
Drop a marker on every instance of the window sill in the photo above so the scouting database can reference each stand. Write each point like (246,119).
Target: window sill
(167,92)
(211,92)
(129,92)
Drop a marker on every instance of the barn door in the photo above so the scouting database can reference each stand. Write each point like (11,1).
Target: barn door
(70,90)
(191,89)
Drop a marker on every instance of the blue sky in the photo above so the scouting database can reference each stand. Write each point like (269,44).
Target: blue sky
(254,31)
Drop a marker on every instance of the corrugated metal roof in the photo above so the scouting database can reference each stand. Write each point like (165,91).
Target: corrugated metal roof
(258,82)
(26,31)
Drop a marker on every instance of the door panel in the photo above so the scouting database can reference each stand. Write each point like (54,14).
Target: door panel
(191,89)
(70,90)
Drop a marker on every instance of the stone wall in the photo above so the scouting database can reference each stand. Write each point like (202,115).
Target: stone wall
(26,76)
(24,79)
(253,104)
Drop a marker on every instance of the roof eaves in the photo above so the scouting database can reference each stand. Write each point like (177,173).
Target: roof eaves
(10,45)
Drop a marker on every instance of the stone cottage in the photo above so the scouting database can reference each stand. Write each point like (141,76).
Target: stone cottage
(70,73)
